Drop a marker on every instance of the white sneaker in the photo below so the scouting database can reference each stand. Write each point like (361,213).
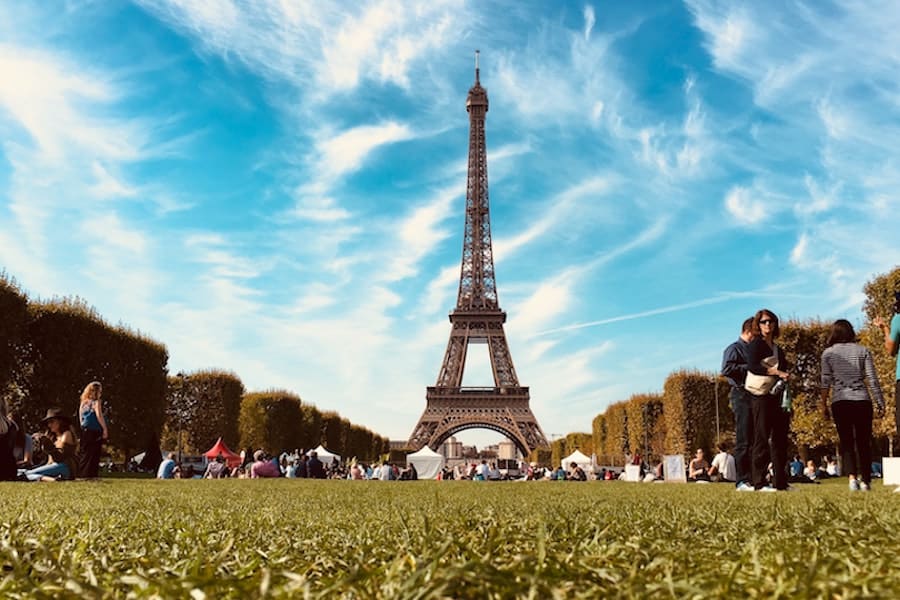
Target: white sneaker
(864,487)
(746,487)
(854,485)
(897,490)
(767,488)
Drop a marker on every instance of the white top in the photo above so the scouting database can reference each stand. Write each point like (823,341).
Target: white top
(724,464)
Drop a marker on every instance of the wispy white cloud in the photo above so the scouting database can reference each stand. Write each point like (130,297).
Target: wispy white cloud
(324,49)
(334,157)
(346,151)
(589,20)
(419,233)
(745,206)
(723,297)
(557,210)
(108,186)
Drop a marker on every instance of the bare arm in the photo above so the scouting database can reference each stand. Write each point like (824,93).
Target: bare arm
(872,380)
(823,402)
(889,343)
(98,408)
(825,388)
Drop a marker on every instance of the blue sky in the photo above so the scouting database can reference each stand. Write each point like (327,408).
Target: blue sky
(276,187)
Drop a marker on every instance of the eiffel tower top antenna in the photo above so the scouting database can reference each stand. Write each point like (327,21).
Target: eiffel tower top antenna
(476,67)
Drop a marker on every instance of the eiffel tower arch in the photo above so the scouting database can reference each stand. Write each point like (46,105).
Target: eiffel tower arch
(477,318)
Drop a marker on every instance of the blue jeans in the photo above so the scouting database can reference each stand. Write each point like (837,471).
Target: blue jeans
(743,432)
(48,470)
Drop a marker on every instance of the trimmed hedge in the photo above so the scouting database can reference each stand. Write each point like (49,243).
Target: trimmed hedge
(271,420)
(689,411)
(617,444)
(13,318)
(879,303)
(204,405)
(68,346)
(646,425)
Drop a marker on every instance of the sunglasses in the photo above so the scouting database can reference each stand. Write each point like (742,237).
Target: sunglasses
(767,321)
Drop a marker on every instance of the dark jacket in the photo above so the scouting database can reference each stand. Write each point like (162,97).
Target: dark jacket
(734,363)
(315,469)
(759,350)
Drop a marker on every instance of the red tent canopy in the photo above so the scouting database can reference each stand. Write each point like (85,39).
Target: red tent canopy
(218,448)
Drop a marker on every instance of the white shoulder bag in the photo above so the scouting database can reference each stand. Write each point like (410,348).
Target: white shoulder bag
(760,385)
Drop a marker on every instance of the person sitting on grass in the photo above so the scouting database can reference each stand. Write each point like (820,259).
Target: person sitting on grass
(217,469)
(795,468)
(699,467)
(60,444)
(723,467)
(262,467)
(811,472)
(577,473)
(167,468)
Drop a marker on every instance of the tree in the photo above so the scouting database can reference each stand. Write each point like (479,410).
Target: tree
(203,406)
(803,343)
(598,433)
(558,451)
(617,445)
(67,345)
(880,303)
(270,420)
(13,318)
(689,411)
(646,425)
(311,428)
(332,431)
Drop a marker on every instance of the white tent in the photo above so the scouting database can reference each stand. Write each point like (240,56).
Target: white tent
(579,459)
(428,462)
(324,455)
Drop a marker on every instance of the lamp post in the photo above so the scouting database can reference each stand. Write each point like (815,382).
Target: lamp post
(180,408)
(646,411)
(716,394)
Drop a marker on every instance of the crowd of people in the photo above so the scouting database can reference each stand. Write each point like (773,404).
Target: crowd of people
(297,465)
(58,451)
(755,366)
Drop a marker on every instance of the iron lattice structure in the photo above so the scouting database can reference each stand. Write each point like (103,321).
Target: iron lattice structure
(477,318)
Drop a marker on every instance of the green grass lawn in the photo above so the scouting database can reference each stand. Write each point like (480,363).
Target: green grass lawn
(300,538)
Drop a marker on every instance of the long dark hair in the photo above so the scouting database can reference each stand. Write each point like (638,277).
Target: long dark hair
(759,316)
(841,333)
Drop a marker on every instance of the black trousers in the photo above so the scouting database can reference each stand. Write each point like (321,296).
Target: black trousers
(853,421)
(770,436)
(89,453)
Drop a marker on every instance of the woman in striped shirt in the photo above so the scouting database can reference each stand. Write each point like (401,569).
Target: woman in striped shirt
(847,368)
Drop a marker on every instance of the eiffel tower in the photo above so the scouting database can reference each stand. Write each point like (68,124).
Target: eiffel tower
(477,318)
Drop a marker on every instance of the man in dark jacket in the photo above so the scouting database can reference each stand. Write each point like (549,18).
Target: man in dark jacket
(734,368)
(314,466)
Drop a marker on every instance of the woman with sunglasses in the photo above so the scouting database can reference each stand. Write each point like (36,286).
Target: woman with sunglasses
(770,421)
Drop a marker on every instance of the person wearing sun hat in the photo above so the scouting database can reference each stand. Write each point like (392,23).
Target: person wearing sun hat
(60,444)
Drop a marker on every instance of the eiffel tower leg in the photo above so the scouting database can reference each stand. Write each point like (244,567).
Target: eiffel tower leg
(501,361)
(454,364)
